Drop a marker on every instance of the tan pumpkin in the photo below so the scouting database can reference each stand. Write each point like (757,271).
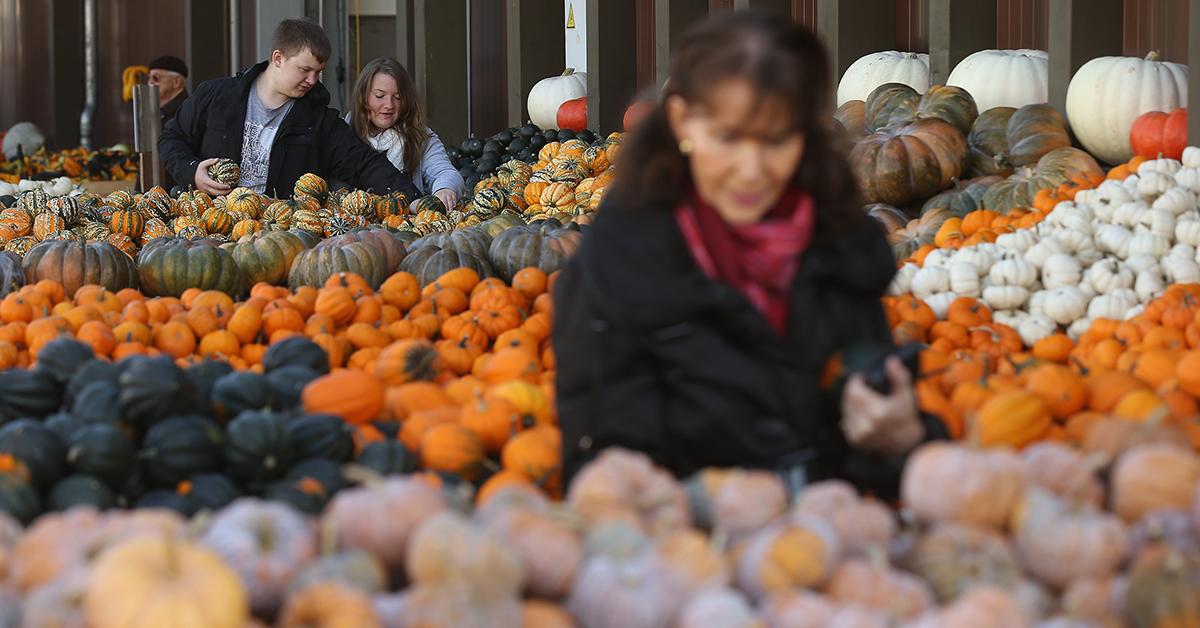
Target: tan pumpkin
(861,524)
(982,607)
(1059,542)
(718,607)
(447,549)
(955,557)
(624,484)
(436,606)
(151,582)
(550,553)
(543,614)
(1164,589)
(798,608)
(380,519)
(735,501)
(1062,470)
(1154,477)
(801,551)
(947,482)
(329,605)
(875,585)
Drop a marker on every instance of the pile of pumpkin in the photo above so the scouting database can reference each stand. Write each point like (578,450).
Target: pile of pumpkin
(988,538)
(77,163)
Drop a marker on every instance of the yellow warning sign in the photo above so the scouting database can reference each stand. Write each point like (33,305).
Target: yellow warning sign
(571,15)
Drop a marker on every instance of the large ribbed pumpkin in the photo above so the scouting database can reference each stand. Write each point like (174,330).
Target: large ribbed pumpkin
(895,104)
(1053,169)
(547,246)
(918,160)
(266,255)
(75,264)
(316,265)
(432,261)
(473,240)
(168,266)
(988,142)
(12,276)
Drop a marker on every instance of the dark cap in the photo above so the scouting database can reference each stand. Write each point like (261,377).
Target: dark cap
(168,62)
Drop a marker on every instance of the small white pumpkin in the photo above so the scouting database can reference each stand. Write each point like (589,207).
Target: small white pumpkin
(1073,240)
(1128,214)
(1064,305)
(888,66)
(1012,318)
(1059,270)
(1034,327)
(1112,305)
(902,282)
(1114,239)
(1037,302)
(1005,297)
(1088,254)
(1159,221)
(964,279)
(1153,184)
(1187,178)
(929,281)
(1107,275)
(1018,241)
(1013,272)
(1149,284)
(1165,165)
(1148,243)
(1003,78)
(1191,157)
(1180,270)
(978,257)
(1108,93)
(1141,262)
(940,304)
(1078,328)
(1178,200)
(937,258)
(1183,251)
(1188,232)
(1043,250)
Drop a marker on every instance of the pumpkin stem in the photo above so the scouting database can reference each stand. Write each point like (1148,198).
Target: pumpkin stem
(570,71)
(359,474)
(1150,56)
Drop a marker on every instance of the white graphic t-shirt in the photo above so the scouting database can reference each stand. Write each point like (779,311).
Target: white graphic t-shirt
(258,136)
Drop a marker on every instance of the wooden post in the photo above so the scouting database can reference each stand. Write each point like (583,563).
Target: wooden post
(535,49)
(611,62)
(206,41)
(1080,30)
(853,28)
(1193,101)
(958,28)
(440,65)
(404,34)
(672,18)
(782,7)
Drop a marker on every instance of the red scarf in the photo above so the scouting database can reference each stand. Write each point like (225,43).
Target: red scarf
(760,260)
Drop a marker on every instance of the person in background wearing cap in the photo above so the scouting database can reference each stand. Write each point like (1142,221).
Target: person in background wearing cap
(170,75)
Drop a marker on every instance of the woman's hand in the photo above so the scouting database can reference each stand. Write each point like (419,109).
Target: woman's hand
(887,424)
(448,197)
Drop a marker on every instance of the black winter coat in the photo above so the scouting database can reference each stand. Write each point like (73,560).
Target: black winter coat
(654,355)
(312,138)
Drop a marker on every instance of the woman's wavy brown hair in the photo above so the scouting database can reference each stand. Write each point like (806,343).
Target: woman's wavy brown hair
(783,62)
(410,123)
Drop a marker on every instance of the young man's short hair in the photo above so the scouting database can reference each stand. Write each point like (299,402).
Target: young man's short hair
(292,36)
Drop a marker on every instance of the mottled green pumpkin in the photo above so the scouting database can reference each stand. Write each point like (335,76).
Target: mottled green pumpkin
(964,198)
(902,164)
(988,142)
(472,240)
(431,261)
(168,266)
(514,174)
(12,276)
(505,221)
(308,220)
(853,117)
(75,264)
(156,203)
(1052,170)
(897,104)
(312,267)
(266,255)
(1033,131)
(547,246)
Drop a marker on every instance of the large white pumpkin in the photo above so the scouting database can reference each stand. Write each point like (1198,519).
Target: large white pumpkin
(877,68)
(548,93)
(1108,93)
(1003,78)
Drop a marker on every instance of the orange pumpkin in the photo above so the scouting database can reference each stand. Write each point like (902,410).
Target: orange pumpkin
(356,397)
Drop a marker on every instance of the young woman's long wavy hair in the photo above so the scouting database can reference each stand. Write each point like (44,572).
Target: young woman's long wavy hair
(410,123)
(782,61)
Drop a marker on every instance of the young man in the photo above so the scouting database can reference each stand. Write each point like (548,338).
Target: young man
(274,120)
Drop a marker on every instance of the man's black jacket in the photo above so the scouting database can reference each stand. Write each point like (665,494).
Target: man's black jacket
(654,355)
(312,138)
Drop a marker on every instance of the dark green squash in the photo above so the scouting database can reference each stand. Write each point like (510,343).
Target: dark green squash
(202,378)
(305,496)
(321,436)
(18,498)
(75,264)
(962,199)
(80,490)
(473,240)
(544,246)
(296,351)
(389,428)
(240,391)
(64,424)
(92,371)
(266,255)
(890,104)
(102,451)
(98,402)
(61,357)
(308,238)
(373,253)
(325,471)
(432,261)
(28,393)
(257,448)
(152,388)
(168,266)
(38,448)
(179,447)
(12,276)
(209,491)
(169,500)
(388,457)
(287,384)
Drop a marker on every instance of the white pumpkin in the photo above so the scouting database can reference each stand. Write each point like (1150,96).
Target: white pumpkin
(877,68)
(964,279)
(1012,318)
(1108,93)
(1043,250)
(1176,199)
(940,304)
(976,256)
(1034,327)
(1139,263)
(1113,305)
(1013,272)
(1073,240)
(1003,78)
(929,281)
(1188,232)
(1060,270)
(1191,157)
(1005,297)
(1037,302)
(1159,221)
(1128,214)
(1018,241)
(549,93)
(1165,165)
(1078,328)
(1107,275)
(1149,284)
(1148,243)
(1183,251)
(1180,270)
(937,258)
(1188,178)
(1065,305)
(1135,311)
(1153,184)
(902,282)
(1114,239)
